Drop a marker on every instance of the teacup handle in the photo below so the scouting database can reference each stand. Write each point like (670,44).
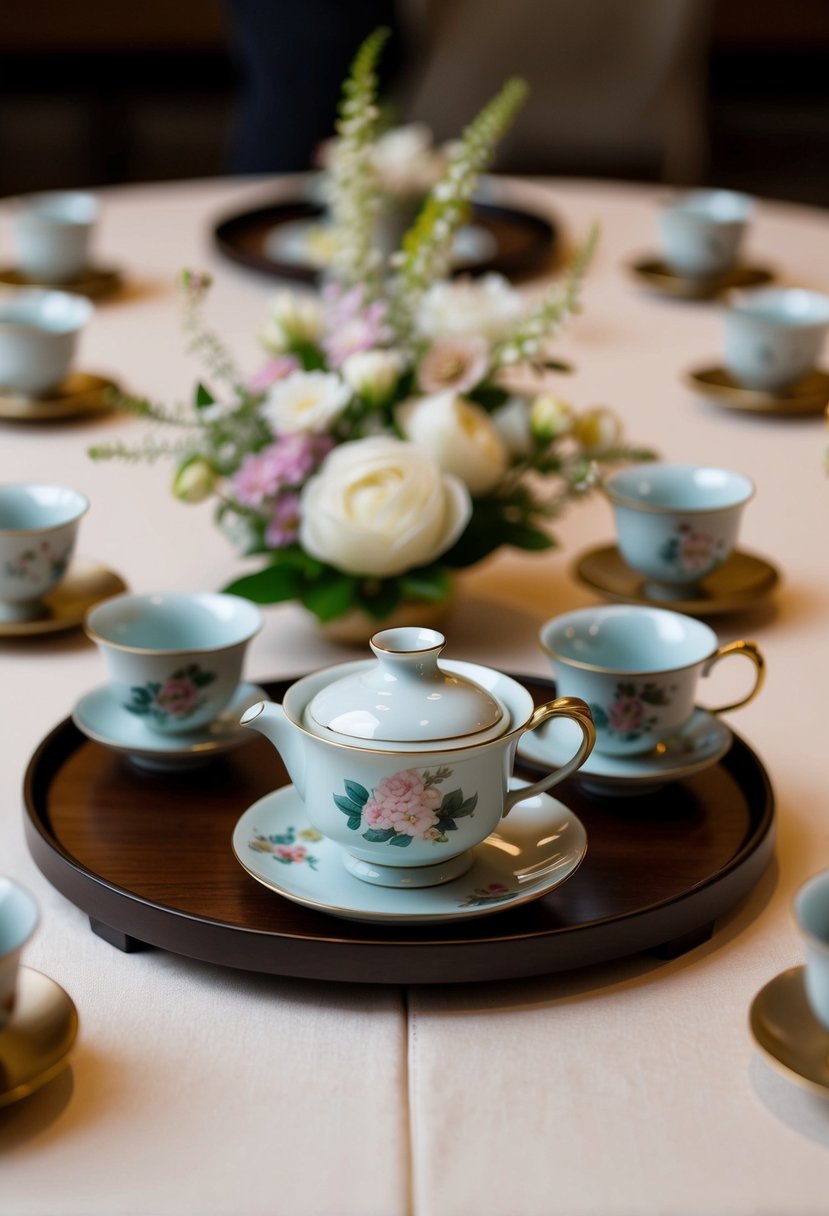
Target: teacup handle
(562,707)
(752,651)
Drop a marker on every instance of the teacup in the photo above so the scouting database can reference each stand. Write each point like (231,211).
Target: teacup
(638,669)
(18,921)
(774,335)
(38,337)
(702,231)
(38,530)
(174,660)
(52,234)
(811,907)
(676,523)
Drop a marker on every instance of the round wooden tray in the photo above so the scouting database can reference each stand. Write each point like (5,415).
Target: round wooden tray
(524,243)
(148,857)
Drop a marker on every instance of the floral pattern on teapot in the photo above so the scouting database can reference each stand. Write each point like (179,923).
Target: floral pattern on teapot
(692,551)
(405,806)
(176,697)
(628,715)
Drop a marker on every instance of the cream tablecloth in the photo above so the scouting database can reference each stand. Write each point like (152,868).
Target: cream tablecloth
(627,1088)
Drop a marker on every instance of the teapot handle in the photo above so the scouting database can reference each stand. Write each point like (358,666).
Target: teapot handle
(562,707)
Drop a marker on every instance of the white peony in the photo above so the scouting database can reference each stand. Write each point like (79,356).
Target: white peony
(460,435)
(292,319)
(305,402)
(374,373)
(488,306)
(379,507)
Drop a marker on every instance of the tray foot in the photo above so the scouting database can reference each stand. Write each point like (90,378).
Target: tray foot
(116,938)
(681,945)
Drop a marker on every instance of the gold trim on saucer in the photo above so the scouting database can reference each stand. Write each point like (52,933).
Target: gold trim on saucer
(740,583)
(788,1032)
(808,395)
(80,393)
(36,1041)
(652,272)
(96,283)
(85,584)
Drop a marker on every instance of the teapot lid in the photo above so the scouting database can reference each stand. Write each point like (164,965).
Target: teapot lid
(405,696)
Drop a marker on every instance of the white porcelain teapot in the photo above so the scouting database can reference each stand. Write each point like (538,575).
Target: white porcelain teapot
(405,762)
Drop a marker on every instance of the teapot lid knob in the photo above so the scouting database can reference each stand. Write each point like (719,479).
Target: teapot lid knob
(406,696)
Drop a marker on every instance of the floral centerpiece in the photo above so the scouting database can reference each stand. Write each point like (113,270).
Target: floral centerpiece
(381,447)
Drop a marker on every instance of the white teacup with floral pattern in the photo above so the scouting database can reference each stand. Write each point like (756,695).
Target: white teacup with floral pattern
(38,530)
(174,660)
(638,669)
(676,523)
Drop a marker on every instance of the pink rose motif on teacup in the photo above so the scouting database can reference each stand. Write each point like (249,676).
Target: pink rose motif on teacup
(405,806)
(629,715)
(176,698)
(693,551)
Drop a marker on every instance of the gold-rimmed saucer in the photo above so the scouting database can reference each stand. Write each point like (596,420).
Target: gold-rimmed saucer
(655,274)
(96,282)
(78,394)
(742,582)
(808,395)
(36,1041)
(788,1032)
(85,583)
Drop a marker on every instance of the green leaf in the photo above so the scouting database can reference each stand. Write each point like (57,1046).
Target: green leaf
(347,806)
(202,397)
(378,835)
(448,825)
(523,536)
(270,585)
(432,583)
(467,807)
(402,842)
(451,803)
(310,356)
(488,396)
(330,595)
(354,822)
(356,792)
(378,600)
(600,719)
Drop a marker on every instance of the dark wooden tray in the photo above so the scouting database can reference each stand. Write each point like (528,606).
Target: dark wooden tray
(524,243)
(148,857)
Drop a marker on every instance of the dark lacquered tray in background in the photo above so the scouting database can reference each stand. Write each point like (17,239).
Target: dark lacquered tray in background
(523,243)
(147,856)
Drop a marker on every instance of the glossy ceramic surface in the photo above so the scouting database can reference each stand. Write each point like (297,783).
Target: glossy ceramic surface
(52,233)
(676,523)
(38,530)
(741,584)
(101,718)
(700,743)
(35,1043)
(811,907)
(85,584)
(38,336)
(773,336)
(18,921)
(655,275)
(702,231)
(792,1038)
(174,660)
(638,669)
(809,395)
(533,851)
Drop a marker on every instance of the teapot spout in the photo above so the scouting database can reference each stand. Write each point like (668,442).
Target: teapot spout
(271,721)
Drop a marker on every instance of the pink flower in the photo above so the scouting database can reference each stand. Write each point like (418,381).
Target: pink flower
(352,324)
(284,525)
(296,853)
(626,714)
(697,550)
(177,697)
(454,363)
(284,463)
(270,372)
(402,803)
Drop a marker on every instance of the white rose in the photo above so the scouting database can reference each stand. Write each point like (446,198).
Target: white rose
(293,318)
(487,306)
(379,507)
(512,422)
(373,373)
(460,435)
(305,402)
